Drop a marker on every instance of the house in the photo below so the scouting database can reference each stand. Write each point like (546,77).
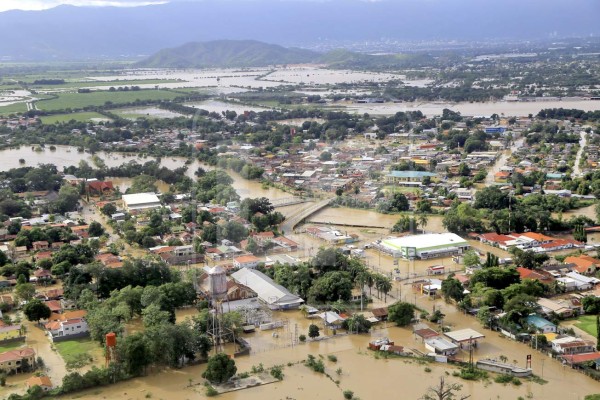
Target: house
(332,319)
(67,329)
(584,264)
(282,259)
(40,245)
(380,313)
(42,381)
(41,276)
(18,360)
(11,333)
(572,345)
(439,345)
(286,243)
(563,308)
(583,282)
(54,306)
(540,324)
(100,188)
(248,261)
(526,273)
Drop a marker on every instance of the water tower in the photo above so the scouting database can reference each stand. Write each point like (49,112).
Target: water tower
(217,284)
(111,347)
(217,290)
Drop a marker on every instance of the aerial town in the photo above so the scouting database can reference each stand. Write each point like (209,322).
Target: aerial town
(302,225)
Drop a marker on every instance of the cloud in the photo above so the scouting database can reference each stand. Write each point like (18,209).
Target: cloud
(6,5)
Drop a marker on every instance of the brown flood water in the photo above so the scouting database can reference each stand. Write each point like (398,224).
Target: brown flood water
(360,370)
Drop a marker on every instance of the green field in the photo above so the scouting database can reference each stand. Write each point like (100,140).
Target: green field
(100,98)
(78,352)
(80,117)
(13,108)
(587,323)
(97,83)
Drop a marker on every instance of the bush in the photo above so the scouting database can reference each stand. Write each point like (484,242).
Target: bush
(472,374)
(211,391)
(427,369)
(332,358)
(277,372)
(302,338)
(348,394)
(314,364)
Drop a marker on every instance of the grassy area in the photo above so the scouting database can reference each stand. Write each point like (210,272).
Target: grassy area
(77,353)
(100,98)
(13,108)
(587,323)
(99,83)
(81,117)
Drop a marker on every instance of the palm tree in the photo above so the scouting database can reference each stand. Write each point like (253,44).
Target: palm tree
(304,310)
(385,286)
(423,220)
(370,281)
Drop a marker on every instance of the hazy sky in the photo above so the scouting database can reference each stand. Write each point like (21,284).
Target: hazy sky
(6,5)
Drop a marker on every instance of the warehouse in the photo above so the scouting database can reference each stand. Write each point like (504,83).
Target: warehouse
(275,296)
(140,201)
(426,246)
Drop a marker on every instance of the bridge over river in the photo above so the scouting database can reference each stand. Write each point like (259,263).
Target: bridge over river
(302,214)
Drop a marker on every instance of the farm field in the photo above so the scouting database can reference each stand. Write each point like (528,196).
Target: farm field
(80,117)
(100,98)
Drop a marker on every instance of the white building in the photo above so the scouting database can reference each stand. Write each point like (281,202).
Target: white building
(425,246)
(71,328)
(248,261)
(441,346)
(275,296)
(141,201)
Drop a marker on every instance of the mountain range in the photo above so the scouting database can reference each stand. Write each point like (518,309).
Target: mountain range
(79,33)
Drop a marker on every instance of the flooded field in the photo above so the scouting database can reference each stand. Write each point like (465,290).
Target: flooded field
(150,112)
(220,106)
(488,108)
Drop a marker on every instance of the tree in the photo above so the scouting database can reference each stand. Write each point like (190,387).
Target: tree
(452,289)
(423,220)
(464,170)
(134,353)
(36,310)
(491,197)
(401,313)
(471,259)
(383,285)
(357,324)
(313,331)
(444,391)
(96,229)
(220,368)
(399,202)
(24,291)
(108,209)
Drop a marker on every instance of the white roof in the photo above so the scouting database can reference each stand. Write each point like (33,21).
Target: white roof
(582,278)
(140,198)
(425,241)
(441,343)
(266,289)
(464,335)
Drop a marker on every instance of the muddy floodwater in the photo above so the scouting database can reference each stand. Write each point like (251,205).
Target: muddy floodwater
(357,369)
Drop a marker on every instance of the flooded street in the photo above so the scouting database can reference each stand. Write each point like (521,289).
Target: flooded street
(360,371)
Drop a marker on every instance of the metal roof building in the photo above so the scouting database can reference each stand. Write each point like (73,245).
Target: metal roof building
(274,295)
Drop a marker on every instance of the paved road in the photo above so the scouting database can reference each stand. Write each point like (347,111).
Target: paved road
(582,144)
(501,162)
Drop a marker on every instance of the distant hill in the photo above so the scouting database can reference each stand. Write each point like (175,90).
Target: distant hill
(227,53)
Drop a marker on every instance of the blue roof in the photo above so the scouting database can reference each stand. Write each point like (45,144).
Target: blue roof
(410,174)
(538,321)
(555,175)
